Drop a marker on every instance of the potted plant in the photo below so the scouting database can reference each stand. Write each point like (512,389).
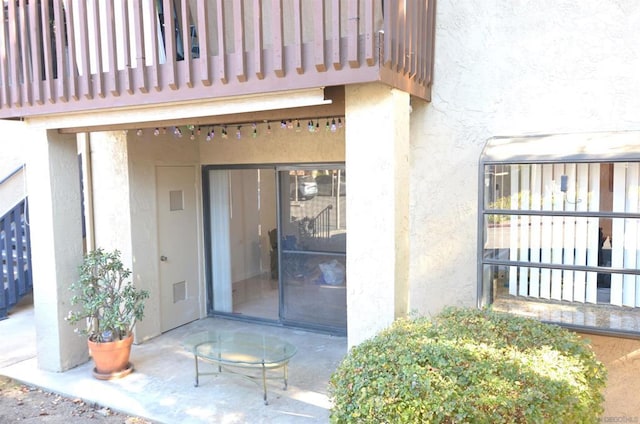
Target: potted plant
(109,307)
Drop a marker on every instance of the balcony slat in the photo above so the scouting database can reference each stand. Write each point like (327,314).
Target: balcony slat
(335,34)
(98,50)
(388,27)
(393,35)
(141,80)
(154,47)
(14,48)
(238,32)
(297,31)
(421,24)
(98,77)
(423,49)
(277,38)
(403,22)
(318,40)
(72,56)
(111,50)
(24,45)
(353,33)
(186,43)
(85,72)
(170,45)
(4,68)
(126,43)
(34,33)
(369,34)
(428,43)
(61,63)
(258,56)
(203,42)
(413,39)
(401,28)
(222,51)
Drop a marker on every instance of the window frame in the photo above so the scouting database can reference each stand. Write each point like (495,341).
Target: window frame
(539,149)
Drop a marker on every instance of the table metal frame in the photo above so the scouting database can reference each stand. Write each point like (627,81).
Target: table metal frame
(236,367)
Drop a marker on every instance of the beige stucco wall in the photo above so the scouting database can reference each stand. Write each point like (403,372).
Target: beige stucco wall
(377,204)
(145,153)
(278,146)
(506,68)
(621,357)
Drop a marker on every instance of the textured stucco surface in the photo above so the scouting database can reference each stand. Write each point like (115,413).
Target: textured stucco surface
(506,68)
(145,153)
(377,222)
(622,359)
(56,246)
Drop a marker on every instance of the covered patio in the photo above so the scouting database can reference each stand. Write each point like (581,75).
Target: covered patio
(162,386)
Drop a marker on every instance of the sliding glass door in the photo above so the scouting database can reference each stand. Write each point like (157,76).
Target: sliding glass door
(277,244)
(242,216)
(313,241)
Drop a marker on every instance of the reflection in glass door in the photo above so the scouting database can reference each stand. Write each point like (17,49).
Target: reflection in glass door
(242,204)
(279,253)
(313,239)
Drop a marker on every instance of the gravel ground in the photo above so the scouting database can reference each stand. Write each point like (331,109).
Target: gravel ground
(26,404)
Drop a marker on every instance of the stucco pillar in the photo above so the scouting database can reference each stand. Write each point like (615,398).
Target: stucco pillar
(377,165)
(53,184)
(114,197)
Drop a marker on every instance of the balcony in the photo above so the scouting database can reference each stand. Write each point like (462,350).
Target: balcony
(63,56)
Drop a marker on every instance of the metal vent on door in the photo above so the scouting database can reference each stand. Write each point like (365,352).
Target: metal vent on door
(176,200)
(179,291)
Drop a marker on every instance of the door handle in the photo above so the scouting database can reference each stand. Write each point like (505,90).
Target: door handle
(163,258)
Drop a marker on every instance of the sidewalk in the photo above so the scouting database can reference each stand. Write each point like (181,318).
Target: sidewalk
(161,387)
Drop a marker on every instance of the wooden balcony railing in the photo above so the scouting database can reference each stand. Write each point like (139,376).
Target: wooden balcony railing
(60,56)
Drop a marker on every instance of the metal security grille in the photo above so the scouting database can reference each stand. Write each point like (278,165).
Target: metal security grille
(16,257)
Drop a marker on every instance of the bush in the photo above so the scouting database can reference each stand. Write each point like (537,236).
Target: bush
(469,366)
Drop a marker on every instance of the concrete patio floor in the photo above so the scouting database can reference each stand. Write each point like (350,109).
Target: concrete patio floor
(162,388)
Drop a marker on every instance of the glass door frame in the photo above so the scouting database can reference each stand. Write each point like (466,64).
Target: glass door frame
(291,322)
(206,198)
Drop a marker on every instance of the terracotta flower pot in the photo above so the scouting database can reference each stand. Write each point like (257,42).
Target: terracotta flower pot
(111,358)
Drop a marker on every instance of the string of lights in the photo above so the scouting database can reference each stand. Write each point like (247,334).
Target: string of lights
(221,131)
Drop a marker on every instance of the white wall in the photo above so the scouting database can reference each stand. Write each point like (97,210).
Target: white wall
(507,68)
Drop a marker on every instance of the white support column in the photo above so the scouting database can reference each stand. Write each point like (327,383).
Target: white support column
(377,166)
(53,184)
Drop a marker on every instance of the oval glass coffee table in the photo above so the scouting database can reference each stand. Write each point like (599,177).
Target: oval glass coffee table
(245,354)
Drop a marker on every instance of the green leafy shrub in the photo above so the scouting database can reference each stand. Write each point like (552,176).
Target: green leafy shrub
(469,366)
(110,305)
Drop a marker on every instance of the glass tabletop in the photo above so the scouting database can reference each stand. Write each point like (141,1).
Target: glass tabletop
(239,348)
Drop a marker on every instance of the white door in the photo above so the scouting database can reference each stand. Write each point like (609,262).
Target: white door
(177,242)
